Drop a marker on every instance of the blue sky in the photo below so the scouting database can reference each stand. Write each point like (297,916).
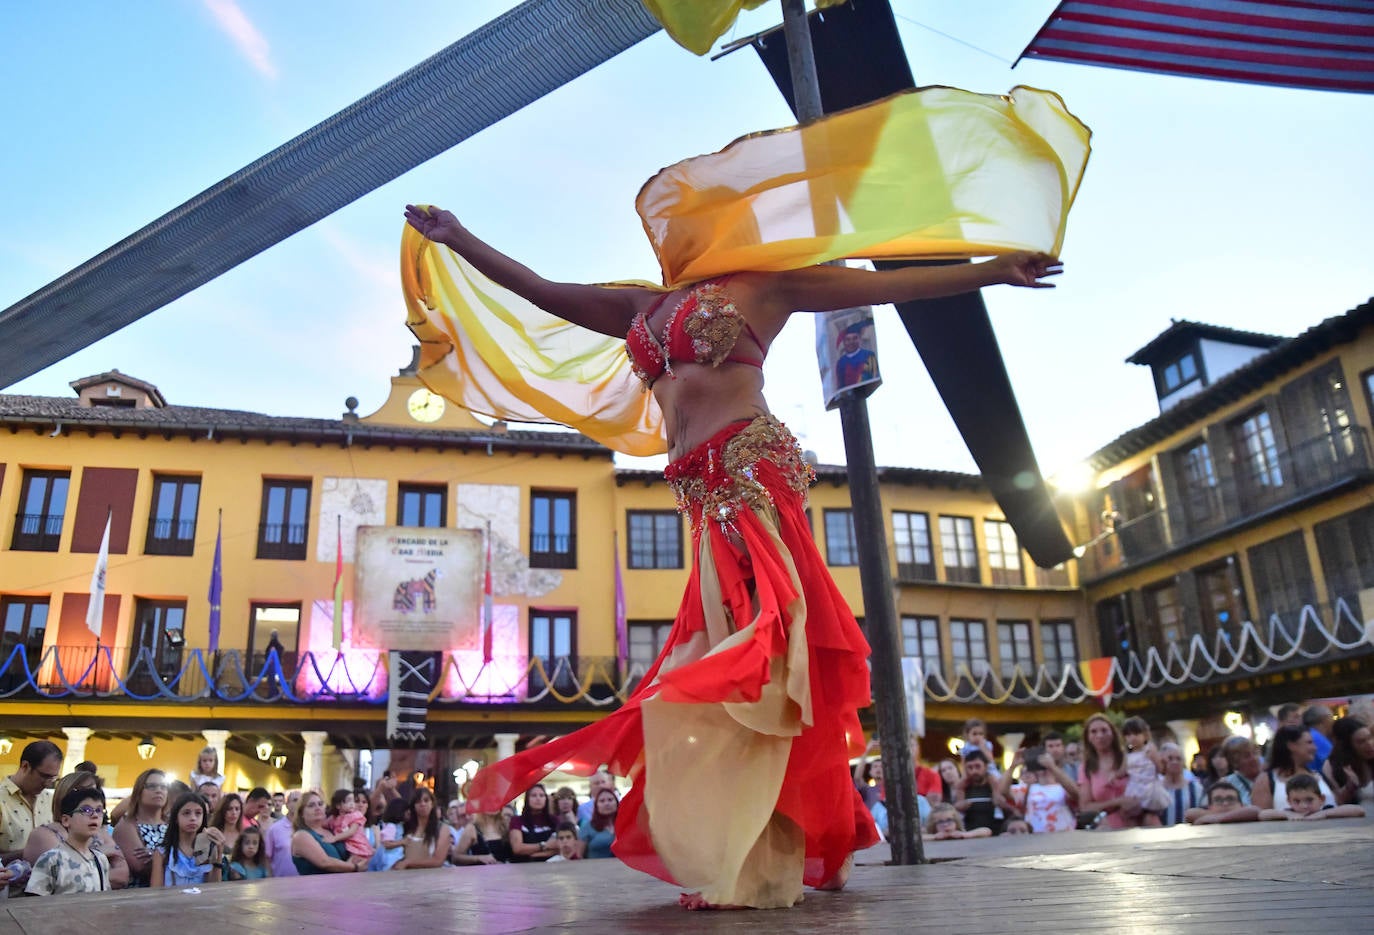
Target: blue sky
(1234,204)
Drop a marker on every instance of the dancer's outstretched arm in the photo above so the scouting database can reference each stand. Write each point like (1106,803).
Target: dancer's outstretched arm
(598,308)
(826,288)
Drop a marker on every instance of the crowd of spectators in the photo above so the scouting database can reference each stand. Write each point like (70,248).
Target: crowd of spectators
(58,838)
(1316,767)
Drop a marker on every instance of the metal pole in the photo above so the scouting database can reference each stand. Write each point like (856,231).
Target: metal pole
(875,575)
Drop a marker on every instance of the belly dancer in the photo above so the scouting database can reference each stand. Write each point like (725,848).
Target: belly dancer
(753,704)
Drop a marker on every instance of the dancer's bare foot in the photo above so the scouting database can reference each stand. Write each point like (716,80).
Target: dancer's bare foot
(697,902)
(841,876)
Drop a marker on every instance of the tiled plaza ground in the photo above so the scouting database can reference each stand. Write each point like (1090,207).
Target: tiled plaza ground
(1282,877)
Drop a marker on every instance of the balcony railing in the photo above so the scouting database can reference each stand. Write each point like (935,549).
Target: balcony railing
(37,532)
(171,537)
(915,572)
(356,676)
(1283,640)
(1198,511)
(309,677)
(553,551)
(281,540)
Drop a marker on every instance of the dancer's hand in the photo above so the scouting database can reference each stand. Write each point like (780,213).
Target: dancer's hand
(433,223)
(1026,269)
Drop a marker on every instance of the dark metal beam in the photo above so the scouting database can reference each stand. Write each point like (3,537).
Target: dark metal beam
(860,57)
(875,574)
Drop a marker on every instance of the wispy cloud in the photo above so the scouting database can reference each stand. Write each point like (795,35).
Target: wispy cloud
(376,267)
(251,43)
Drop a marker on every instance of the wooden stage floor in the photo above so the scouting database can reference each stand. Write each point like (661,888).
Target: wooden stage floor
(1281,877)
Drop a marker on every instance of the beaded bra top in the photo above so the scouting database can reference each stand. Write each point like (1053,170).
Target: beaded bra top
(703,329)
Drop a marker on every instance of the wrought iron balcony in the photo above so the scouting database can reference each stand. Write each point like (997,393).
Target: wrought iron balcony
(1197,512)
(350,676)
(1284,639)
(37,532)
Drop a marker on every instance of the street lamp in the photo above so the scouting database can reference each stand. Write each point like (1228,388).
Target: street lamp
(265,750)
(146,748)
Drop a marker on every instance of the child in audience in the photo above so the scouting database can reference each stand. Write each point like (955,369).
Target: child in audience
(249,860)
(347,822)
(1142,772)
(74,866)
(565,839)
(945,824)
(976,738)
(1223,808)
(1017,826)
(178,862)
(1306,802)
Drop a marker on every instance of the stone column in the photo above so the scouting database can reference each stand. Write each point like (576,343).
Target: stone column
(312,764)
(349,770)
(218,738)
(505,745)
(1186,732)
(1011,742)
(76,747)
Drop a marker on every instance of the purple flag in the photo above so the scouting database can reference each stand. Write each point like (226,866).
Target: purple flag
(216,586)
(622,636)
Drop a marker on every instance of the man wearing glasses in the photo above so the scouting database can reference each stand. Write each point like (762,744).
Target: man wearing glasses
(26,793)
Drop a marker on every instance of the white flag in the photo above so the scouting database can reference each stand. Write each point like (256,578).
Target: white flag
(914,681)
(95,610)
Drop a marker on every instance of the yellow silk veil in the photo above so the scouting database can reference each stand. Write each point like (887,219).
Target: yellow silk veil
(930,173)
(697,24)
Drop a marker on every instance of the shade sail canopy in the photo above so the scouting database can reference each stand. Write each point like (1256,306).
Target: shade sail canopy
(1324,45)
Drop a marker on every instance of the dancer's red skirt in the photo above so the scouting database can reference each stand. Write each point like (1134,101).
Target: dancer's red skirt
(738,739)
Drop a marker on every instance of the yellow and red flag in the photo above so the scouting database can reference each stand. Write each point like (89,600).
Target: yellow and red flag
(1097,676)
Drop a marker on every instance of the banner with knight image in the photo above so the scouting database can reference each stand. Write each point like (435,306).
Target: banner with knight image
(846,352)
(418,588)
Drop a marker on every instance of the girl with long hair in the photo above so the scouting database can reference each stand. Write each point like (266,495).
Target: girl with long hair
(427,840)
(248,860)
(207,769)
(1351,763)
(228,818)
(141,830)
(1292,749)
(177,862)
(1102,778)
(531,832)
(598,832)
(484,840)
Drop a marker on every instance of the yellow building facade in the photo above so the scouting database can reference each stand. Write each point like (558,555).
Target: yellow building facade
(1230,541)
(285,498)
(1227,564)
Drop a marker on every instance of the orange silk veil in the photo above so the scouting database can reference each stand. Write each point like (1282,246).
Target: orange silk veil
(930,173)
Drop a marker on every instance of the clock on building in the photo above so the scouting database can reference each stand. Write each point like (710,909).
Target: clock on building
(425,406)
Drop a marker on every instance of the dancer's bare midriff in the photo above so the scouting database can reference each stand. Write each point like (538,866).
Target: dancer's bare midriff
(699,400)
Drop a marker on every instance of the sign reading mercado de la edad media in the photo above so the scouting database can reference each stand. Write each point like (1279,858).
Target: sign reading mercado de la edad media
(418,588)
